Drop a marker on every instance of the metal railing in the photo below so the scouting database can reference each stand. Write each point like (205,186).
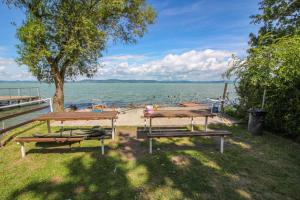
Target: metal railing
(21,92)
(4,129)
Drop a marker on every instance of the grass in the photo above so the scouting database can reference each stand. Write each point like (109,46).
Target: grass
(263,167)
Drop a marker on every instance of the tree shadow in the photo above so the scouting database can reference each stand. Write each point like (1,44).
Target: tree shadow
(185,171)
(101,178)
(175,168)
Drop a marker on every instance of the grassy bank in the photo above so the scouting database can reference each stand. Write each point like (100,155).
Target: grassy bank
(265,167)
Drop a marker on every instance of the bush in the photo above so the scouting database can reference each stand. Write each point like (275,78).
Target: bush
(275,68)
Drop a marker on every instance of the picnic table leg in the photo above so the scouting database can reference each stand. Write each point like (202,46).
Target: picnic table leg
(192,124)
(113,129)
(23,152)
(150,145)
(115,126)
(222,144)
(145,123)
(206,122)
(61,128)
(150,128)
(102,146)
(48,126)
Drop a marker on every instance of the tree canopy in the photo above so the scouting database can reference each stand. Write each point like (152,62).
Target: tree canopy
(61,39)
(278,18)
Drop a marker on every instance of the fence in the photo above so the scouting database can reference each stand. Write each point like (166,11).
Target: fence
(6,117)
(28,91)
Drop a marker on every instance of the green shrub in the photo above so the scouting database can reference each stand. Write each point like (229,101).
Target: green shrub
(276,68)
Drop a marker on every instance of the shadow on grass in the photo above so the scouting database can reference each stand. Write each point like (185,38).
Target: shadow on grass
(193,171)
(9,137)
(95,180)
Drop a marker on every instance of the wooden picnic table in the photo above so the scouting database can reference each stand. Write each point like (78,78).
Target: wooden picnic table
(71,116)
(178,114)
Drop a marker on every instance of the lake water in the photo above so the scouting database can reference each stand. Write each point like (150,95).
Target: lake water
(115,94)
(123,94)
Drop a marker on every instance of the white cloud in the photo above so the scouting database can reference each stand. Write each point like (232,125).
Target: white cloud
(196,65)
(7,62)
(10,70)
(191,65)
(2,69)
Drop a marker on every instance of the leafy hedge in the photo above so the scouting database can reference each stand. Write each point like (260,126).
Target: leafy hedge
(276,68)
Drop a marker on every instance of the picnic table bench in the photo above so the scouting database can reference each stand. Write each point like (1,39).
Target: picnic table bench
(72,136)
(169,132)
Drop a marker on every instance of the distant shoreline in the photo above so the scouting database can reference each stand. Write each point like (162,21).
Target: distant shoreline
(122,81)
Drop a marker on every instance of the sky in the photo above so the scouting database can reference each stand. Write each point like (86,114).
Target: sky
(190,40)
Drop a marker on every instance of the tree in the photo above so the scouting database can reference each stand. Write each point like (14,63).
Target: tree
(278,18)
(61,39)
(276,68)
(273,64)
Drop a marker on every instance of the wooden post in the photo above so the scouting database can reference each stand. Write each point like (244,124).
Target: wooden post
(150,145)
(48,126)
(263,100)
(222,144)
(224,96)
(61,128)
(113,129)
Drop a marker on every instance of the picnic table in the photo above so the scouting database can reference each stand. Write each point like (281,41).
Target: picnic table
(169,133)
(73,116)
(178,114)
(70,116)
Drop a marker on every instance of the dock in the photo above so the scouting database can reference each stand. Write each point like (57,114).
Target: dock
(7,100)
(10,96)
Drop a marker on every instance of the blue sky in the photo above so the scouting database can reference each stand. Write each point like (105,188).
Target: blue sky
(191,40)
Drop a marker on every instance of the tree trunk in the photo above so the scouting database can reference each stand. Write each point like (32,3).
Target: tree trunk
(58,98)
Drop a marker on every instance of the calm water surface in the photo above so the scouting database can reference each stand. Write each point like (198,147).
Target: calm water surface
(123,94)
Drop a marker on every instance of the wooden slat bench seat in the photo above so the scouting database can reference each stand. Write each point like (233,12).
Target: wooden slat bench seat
(76,133)
(171,128)
(60,139)
(171,134)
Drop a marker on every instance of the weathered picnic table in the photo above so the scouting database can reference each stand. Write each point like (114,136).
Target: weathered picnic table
(70,116)
(168,133)
(80,116)
(178,114)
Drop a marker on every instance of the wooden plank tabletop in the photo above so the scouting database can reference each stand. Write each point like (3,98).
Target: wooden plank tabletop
(70,116)
(194,104)
(178,114)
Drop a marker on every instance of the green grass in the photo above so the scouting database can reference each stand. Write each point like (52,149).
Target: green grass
(263,167)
